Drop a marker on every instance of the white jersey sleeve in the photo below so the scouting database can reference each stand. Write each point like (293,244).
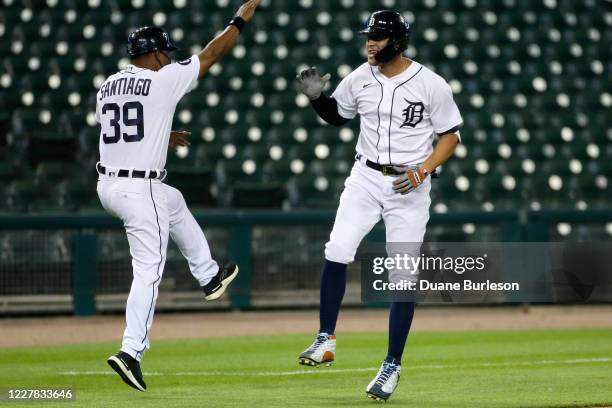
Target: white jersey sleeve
(443,109)
(180,77)
(345,98)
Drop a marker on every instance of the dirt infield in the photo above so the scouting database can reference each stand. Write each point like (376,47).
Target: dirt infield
(78,330)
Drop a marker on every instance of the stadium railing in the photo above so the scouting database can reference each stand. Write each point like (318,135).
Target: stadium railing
(289,231)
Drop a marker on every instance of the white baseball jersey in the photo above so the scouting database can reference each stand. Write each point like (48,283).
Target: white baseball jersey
(399,116)
(135,108)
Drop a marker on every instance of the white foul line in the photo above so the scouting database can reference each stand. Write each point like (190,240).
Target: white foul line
(326,370)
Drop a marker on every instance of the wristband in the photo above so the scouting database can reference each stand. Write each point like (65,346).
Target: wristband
(237,22)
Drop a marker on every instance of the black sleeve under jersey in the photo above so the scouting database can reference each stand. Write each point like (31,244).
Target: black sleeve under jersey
(327,109)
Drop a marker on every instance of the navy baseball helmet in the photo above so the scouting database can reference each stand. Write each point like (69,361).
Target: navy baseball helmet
(149,39)
(388,24)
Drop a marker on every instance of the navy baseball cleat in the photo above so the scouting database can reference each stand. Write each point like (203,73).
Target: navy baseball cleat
(385,382)
(129,369)
(217,285)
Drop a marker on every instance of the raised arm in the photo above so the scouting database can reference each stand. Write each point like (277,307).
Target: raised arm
(327,108)
(225,41)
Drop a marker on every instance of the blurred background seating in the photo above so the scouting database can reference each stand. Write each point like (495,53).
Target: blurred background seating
(532,79)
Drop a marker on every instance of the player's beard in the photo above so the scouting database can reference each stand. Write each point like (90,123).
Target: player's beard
(372,57)
(373,49)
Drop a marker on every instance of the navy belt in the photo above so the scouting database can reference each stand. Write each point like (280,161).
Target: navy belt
(153,174)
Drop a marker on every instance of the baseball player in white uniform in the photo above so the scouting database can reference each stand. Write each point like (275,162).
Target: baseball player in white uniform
(403,107)
(135,108)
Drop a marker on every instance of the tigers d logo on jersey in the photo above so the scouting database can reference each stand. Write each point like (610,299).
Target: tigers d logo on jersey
(413,114)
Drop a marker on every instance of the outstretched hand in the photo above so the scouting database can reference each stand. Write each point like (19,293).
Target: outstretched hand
(311,83)
(179,138)
(247,10)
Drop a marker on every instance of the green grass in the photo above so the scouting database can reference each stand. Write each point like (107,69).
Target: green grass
(535,368)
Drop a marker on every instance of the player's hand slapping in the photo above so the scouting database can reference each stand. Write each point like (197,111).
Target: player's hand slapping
(310,83)
(408,182)
(247,10)
(179,138)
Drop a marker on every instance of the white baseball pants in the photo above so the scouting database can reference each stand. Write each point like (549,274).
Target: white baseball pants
(151,211)
(368,196)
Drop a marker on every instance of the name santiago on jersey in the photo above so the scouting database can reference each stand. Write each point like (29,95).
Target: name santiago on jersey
(125,86)
(135,108)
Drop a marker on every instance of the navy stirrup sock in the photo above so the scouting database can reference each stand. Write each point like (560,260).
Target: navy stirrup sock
(333,284)
(400,320)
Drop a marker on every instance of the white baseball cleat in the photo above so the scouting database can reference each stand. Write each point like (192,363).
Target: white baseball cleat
(385,382)
(321,351)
